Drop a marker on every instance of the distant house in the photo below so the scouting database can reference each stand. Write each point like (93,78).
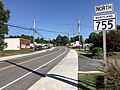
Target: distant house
(86,46)
(17,44)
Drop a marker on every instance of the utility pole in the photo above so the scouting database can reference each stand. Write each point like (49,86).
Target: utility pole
(78,20)
(34,27)
(69,39)
(73,34)
(49,41)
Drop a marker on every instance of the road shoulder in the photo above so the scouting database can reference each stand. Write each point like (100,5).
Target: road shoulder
(22,55)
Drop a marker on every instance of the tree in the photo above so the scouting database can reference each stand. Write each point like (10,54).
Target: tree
(118,27)
(54,42)
(76,38)
(64,40)
(37,40)
(92,36)
(58,40)
(24,37)
(61,40)
(4,17)
(42,40)
(112,42)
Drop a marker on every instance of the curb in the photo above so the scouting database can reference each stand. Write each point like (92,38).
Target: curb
(90,72)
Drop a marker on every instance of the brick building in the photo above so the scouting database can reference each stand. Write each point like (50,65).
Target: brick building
(17,44)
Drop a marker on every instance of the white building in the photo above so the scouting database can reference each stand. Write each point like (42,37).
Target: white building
(17,44)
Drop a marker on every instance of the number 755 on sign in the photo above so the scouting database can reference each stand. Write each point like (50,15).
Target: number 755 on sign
(104,22)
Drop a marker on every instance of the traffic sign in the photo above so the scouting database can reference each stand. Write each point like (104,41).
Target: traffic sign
(104,22)
(104,8)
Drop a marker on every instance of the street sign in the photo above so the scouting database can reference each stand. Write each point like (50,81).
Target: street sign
(104,22)
(104,8)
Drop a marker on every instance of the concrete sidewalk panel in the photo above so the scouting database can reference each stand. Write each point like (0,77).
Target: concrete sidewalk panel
(62,77)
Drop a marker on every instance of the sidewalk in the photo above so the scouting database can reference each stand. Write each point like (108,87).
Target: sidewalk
(21,55)
(62,77)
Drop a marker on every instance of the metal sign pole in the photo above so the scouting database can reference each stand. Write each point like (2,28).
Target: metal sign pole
(104,48)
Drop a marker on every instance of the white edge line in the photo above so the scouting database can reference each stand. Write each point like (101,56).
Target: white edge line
(30,72)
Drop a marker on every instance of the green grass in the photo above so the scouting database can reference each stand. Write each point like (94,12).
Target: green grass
(87,81)
(115,54)
(14,52)
(84,54)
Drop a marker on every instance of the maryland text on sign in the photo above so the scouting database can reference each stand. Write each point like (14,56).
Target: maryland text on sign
(104,22)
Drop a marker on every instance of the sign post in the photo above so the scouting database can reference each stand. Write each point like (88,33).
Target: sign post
(104,22)
(104,47)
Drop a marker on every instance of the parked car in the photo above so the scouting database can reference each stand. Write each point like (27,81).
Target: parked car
(38,48)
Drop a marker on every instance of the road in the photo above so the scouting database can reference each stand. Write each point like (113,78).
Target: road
(21,73)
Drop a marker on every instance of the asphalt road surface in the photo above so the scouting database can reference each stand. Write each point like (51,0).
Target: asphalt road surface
(21,73)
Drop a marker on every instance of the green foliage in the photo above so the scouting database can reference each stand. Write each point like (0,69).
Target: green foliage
(92,36)
(61,40)
(54,42)
(40,40)
(112,74)
(97,53)
(118,27)
(2,45)
(112,42)
(24,37)
(65,40)
(76,38)
(84,54)
(4,17)
(87,81)
(27,37)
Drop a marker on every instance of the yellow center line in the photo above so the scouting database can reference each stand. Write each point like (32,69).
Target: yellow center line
(29,60)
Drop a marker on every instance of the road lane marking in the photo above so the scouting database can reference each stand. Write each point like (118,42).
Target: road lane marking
(3,87)
(29,60)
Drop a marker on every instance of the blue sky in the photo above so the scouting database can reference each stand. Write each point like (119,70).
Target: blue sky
(55,15)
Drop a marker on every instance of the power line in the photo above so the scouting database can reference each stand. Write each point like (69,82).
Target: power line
(55,23)
(31,29)
(36,30)
(19,27)
(64,24)
(51,31)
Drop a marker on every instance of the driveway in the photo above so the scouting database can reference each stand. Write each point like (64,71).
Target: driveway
(86,64)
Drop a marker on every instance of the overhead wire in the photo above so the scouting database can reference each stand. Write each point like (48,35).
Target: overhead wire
(30,29)
(35,30)
(63,24)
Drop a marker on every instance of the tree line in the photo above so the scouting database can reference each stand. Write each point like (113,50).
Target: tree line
(59,41)
(112,40)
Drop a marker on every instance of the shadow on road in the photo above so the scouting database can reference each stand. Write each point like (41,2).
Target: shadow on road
(37,73)
(64,79)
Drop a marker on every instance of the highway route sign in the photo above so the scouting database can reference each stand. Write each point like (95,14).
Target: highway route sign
(104,22)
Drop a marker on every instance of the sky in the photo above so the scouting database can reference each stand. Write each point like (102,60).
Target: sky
(55,15)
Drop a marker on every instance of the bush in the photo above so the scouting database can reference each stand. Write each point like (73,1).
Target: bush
(113,74)
(97,53)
